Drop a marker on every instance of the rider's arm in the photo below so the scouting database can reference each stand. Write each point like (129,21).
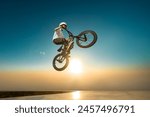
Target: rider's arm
(56,28)
(70,34)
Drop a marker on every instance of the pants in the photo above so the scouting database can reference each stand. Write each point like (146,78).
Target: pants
(60,41)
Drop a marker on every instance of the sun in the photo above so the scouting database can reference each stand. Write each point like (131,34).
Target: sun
(75,66)
(76,95)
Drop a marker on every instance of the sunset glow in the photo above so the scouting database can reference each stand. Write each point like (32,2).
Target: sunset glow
(76,95)
(75,66)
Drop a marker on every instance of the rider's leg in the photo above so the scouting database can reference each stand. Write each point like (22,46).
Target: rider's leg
(59,41)
(65,43)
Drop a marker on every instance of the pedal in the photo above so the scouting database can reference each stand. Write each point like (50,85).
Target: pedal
(59,49)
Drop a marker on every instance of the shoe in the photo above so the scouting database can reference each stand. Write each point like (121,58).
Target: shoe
(59,49)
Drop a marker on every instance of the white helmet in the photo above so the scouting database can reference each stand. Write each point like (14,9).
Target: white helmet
(63,23)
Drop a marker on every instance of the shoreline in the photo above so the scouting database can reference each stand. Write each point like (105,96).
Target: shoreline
(7,94)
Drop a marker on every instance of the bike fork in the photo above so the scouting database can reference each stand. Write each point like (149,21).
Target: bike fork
(70,46)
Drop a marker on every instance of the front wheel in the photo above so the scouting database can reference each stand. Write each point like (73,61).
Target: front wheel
(86,39)
(60,62)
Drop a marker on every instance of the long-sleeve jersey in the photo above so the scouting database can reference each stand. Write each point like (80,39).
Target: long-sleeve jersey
(58,33)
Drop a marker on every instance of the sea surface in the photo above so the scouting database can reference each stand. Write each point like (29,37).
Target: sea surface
(90,95)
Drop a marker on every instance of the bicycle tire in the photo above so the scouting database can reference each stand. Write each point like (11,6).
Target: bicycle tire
(62,68)
(90,44)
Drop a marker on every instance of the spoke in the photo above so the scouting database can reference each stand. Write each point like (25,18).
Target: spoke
(88,40)
(62,63)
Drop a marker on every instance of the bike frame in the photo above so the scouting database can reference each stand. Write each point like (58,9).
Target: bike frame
(77,37)
(72,37)
(66,48)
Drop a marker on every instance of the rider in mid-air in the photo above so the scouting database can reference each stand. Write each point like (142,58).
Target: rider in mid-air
(84,39)
(58,37)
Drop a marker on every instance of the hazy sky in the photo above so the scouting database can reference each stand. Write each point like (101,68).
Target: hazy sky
(116,79)
(26,29)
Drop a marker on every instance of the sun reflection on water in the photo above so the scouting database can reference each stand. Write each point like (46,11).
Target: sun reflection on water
(76,95)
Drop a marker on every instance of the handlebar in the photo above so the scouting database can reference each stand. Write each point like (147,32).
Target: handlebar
(70,34)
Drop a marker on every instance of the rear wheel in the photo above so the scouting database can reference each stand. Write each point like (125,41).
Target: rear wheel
(86,39)
(60,62)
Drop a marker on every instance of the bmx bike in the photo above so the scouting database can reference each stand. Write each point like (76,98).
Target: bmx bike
(85,39)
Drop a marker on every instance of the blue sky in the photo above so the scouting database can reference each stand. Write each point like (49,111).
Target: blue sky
(26,30)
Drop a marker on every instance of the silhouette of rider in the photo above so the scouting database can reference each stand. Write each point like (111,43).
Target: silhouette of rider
(58,37)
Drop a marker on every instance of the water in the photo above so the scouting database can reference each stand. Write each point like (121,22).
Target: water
(90,95)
